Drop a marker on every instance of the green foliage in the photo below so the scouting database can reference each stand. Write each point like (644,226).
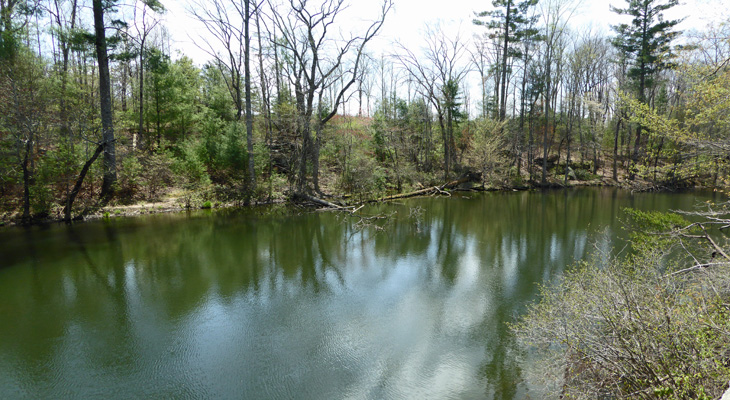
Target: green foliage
(189,167)
(215,94)
(451,98)
(485,152)
(650,230)
(130,177)
(363,177)
(171,96)
(647,39)
(221,148)
(518,24)
(207,205)
(582,174)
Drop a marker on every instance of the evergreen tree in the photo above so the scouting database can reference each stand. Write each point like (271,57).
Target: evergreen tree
(510,23)
(647,42)
(13,20)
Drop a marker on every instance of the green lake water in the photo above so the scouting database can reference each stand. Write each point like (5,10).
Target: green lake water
(320,305)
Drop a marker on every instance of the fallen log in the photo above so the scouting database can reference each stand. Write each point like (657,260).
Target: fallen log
(422,192)
(321,202)
(456,183)
(427,191)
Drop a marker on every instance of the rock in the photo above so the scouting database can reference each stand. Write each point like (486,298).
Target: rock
(571,174)
(726,396)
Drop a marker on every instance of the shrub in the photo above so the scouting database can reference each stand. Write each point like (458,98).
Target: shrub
(584,175)
(157,174)
(363,176)
(190,168)
(633,328)
(130,178)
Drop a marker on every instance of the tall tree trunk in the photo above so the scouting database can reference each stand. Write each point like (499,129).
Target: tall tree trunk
(568,135)
(140,129)
(27,178)
(615,148)
(315,159)
(105,97)
(547,122)
(249,117)
(447,154)
(503,96)
(266,99)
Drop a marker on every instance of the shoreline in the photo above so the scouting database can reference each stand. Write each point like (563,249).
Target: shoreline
(172,205)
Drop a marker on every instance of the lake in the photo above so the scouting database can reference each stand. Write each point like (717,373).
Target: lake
(411,302)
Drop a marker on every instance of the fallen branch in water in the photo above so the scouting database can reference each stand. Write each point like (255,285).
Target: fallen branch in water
(427,191)
(331,206)
(321,202)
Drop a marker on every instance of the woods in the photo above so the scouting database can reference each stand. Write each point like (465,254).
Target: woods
(294,99)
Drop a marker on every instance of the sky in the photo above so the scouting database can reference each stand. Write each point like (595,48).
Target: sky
(408,18)
(407,21)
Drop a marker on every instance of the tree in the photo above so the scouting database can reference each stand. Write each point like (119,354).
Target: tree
(647,41)
(99,8)
(555,16)
(105,96)
(438,76)
(316,62)
(511,24)
(23,108)
(12,24)
(228,22)
(143,28)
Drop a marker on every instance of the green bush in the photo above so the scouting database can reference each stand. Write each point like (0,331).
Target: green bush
(130,178)
(189,168)
(363,176)
(584,175)
(207,205)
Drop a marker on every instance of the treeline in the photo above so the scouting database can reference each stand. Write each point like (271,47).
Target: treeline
(96,108)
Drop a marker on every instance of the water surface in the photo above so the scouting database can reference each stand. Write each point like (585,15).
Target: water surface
(311,306)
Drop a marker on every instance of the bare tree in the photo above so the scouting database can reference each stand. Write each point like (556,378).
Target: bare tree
(480,58)
(441,69)
(555,18)
(143,27)
(317,61)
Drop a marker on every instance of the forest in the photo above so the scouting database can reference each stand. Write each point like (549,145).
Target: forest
(292,104)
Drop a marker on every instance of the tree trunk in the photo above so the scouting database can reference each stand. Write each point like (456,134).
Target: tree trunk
(447,155)
(26,181)
(315,159)
(105,96)
(547,123)
(503,96)
(615,149)
(77,187)
(140,129)
(266,99)
(249,117)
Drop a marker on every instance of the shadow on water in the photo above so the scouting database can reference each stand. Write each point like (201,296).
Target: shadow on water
(234,305)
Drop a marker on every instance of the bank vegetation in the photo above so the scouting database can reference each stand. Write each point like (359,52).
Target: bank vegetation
(655,324)
(291,104)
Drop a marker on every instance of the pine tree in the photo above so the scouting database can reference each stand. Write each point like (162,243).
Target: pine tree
(509,23)
(647,42)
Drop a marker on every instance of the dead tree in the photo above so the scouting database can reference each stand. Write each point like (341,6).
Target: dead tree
(316,61)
